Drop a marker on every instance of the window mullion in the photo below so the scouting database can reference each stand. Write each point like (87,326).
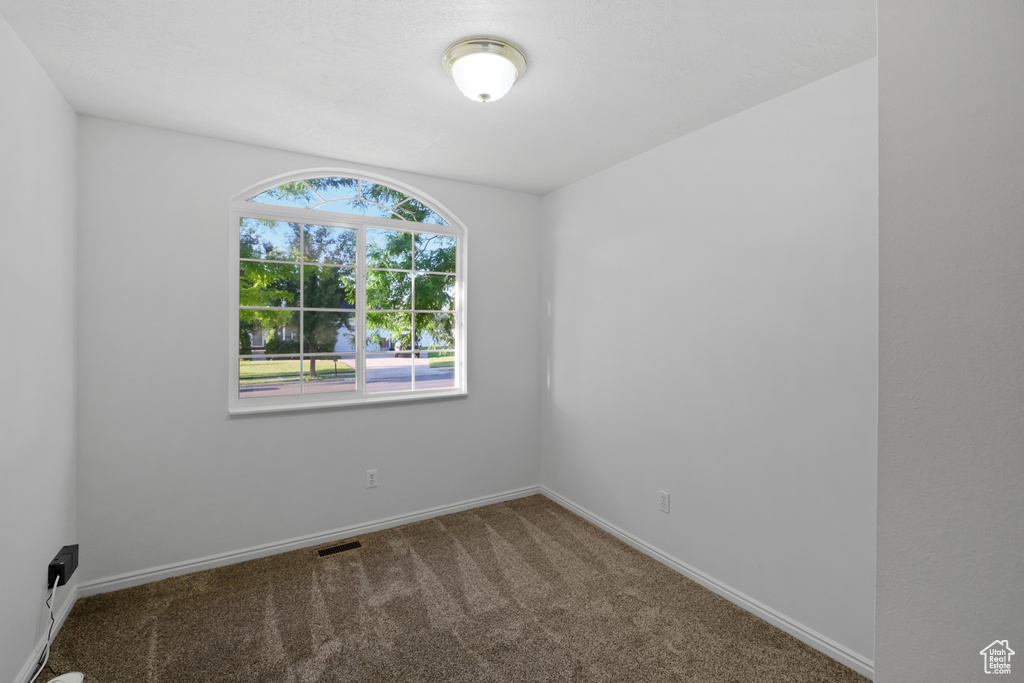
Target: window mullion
(361,310)
(302,309)
(278,273)
(413,346)
(292,214)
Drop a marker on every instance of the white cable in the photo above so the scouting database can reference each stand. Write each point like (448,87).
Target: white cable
(49,634)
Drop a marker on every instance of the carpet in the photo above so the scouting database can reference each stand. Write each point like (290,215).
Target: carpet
(522,591)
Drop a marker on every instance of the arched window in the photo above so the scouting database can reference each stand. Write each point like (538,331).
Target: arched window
(348,289)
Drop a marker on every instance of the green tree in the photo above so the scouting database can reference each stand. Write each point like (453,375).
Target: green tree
(278,285)
(327,286)
(262,283)
(390,289)
(244,340)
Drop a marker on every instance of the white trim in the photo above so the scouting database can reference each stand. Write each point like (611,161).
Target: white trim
(328,401)
(823,644)
(239,207)
(359,174)
(295,214)
(131,579)
(25,675)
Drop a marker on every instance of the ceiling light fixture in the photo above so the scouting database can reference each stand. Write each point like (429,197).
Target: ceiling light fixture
(484,68)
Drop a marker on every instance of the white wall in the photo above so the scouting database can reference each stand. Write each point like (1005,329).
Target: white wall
(166,477)
(951,429)
(714,334)
(37,468)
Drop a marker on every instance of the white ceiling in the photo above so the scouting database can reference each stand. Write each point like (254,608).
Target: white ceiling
(363,82)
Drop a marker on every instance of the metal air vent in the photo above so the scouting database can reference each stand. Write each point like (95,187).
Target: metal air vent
(334,549)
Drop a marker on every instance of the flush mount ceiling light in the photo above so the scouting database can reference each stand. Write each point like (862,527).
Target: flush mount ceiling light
(484,68)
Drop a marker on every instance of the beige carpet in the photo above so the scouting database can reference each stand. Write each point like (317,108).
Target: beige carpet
(519,591)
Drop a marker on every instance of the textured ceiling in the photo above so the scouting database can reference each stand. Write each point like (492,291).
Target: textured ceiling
(606,80)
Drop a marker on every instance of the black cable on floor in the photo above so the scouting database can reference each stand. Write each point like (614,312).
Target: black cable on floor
(49,633)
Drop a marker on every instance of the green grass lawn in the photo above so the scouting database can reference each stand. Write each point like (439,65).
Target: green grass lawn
(270,371)
(266,371)
(441,359)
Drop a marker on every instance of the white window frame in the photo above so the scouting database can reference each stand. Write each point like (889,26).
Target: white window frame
(240,208)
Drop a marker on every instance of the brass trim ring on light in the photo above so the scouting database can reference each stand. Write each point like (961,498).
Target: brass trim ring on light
(474,45)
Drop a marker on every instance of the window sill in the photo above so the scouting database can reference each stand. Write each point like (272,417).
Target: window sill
(247,408)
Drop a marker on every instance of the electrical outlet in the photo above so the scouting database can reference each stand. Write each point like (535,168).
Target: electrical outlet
(371,479)
(663,501)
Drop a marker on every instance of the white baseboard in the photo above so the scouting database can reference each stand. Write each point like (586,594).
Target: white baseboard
(807,635)
(843,655)
(25,675)
(131,579)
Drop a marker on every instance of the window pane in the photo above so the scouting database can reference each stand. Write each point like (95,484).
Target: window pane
(388,289)
(329,374)
(329,287)
(268,284)
(436,370)
(250,334)
(296,193)
(365,198)
(435,330)
(349,195)
(388,331)
(413,210)
(266,239)
(324,244)
(358,207)
(388,373)
(268,377)
(333,187)
(435,293)
(401,205)
(268,332)
(388,248)
(323,307)
(329,332)
(435,252)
